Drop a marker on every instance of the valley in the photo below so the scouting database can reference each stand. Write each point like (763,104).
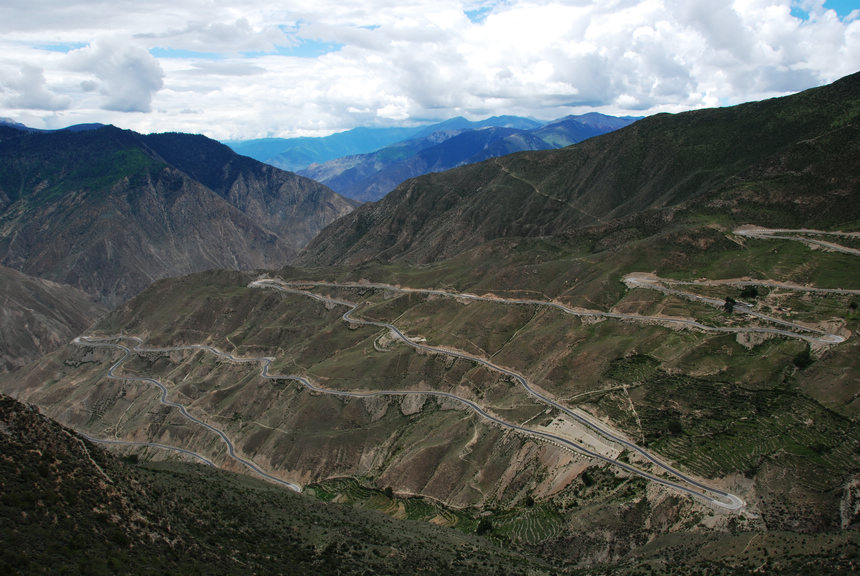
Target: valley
(636,353)
(303,288)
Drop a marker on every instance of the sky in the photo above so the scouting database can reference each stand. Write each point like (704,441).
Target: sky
(235,69)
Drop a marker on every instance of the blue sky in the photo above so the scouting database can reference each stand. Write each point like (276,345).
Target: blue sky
(240,69)
(843,8)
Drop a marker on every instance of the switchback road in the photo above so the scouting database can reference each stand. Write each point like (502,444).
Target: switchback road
(110,342)
(684,483)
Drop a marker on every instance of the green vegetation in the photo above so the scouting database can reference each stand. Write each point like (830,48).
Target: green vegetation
(716,428)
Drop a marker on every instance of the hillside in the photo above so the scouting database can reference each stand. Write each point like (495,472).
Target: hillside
(70,507)
(758,161)
(38,316)
(369,177)
(638,354)
(108,211)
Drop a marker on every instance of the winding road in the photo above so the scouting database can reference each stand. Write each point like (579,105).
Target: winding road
(713,496)
(231,449)
(680,481)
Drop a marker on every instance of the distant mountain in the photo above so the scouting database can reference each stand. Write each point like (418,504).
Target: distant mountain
(9,123)
(459,124)
(574,129)
(109,211)
(38,316)
(453,143)
(296,153)
(764,159)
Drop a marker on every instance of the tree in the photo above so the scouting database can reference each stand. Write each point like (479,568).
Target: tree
(804,359)
(729,306)
(749,292)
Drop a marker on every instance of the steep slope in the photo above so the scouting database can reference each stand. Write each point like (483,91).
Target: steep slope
(294,207)
(762,160)
(38,316)
(109,211)
(70,507)
(369,177)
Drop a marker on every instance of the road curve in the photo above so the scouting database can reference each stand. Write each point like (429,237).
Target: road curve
(779,234)
(108,342)
(687,485)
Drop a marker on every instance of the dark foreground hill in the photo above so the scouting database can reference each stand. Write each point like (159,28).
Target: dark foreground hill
(782,162)
(69,507)
(109,211)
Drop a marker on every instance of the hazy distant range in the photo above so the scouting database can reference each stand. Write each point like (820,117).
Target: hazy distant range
(367,163)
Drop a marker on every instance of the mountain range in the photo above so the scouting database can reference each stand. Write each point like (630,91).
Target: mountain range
(108,210)
(298,153)
(370,176)
(636,354)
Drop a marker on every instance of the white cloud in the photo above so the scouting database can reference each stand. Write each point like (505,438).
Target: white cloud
(419,60)
(128,75)
(222,37)
(27,90)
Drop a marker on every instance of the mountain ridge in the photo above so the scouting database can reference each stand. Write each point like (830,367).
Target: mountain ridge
(456,142)
(107,211)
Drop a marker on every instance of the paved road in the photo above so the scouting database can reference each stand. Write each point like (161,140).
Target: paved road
(114,442)
(687,485)
(812,335)
(780,233)
(110,342)
(800,332)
